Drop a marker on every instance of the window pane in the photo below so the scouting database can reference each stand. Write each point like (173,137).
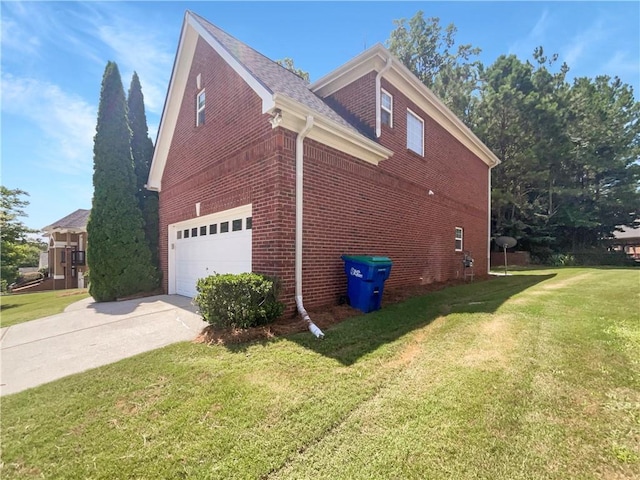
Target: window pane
(385,117)
(194,232)
(386,101)
(186,233)
(414,133)
(249,223)
(203,230)
(200,104)
(213,229)
(224,227)
(236,225)
(179,234)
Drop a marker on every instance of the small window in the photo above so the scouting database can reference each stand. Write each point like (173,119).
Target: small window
(194,232)
(203,230)
(415,133)
(458,239)
(236,225)
(386,108)
(200,104)
(179,234)
(213,229)
(224,227)
(249,223)
(186,233)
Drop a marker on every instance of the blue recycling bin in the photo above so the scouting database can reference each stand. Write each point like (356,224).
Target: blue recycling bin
(365,280)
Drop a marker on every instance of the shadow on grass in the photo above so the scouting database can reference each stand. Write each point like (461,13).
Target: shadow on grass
(358,336)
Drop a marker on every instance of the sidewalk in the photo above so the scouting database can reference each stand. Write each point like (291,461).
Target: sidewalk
(88,335)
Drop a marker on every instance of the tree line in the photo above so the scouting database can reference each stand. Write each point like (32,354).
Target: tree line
(570,167)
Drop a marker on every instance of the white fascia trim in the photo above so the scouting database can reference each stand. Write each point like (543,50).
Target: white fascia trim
(169,117)
(265,95)
(355,68)
(328,132)
(374,59)
(191,30)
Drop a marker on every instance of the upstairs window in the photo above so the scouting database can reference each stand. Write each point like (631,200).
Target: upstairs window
(386,108)
(415,133)
(200,104)
(458,239)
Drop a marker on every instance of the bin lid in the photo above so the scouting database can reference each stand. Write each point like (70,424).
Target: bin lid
(367,259)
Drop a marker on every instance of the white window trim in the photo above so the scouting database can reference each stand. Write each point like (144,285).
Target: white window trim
(198,108)
(461,238)
(389,110)
(417,117)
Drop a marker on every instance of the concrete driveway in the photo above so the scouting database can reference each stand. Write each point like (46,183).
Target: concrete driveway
(88,335)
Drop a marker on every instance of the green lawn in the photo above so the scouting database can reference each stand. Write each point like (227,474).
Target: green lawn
(22,308)
(531,376)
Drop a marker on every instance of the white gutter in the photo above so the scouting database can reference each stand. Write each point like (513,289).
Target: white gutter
(299,203)
(489,216)
(489,221)
(378,87)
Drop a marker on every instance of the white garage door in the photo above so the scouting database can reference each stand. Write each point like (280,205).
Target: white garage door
(217,243)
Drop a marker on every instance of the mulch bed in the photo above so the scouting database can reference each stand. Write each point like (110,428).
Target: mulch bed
(322,317)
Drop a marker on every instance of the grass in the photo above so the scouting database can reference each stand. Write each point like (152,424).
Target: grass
(531,376)
(30,306)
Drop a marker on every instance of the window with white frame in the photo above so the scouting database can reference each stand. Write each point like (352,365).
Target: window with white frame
(386,108)
(415,133)
(458,239)
(200,104)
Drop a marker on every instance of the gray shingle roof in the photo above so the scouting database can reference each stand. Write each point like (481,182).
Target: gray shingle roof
(272,76)
(74,221)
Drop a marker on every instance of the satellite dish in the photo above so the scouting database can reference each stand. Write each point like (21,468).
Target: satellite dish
(504,243)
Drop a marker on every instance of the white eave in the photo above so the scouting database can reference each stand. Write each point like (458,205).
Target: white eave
(191,30)
(400,76)
(329,132)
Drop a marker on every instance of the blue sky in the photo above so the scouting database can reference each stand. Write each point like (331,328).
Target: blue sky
(54,54)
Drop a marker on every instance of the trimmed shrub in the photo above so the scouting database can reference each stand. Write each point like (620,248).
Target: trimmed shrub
(238,300)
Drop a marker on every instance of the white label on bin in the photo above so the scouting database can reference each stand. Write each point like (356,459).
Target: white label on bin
(356,273)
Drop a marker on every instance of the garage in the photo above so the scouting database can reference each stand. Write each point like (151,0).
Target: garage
(202,246)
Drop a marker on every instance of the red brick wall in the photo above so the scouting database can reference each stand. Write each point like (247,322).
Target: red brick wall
(231,160)
(356,208)
(350,206)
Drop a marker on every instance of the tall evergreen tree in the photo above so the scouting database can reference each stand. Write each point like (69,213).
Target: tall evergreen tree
(118,256)
(142,151)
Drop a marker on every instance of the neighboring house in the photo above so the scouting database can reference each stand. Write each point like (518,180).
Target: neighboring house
(628,241)
(67,246)
(388,170)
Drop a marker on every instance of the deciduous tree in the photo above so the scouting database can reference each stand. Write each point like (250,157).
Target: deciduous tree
(16,248)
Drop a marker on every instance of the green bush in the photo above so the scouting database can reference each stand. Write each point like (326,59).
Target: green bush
(238,301)
(562,260)
(591,259)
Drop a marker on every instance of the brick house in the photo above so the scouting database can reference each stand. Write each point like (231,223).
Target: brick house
(257,170)
(67,240)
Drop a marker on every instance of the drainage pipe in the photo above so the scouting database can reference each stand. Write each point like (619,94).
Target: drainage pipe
(313,328)
(378,92)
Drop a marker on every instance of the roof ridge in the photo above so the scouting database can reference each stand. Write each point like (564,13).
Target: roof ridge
(204,20)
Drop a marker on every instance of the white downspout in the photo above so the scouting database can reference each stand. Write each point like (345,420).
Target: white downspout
(299,203)
(378,86)
(491,167)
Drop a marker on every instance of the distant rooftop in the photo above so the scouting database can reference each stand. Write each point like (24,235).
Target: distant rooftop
(627,232)
(74,221)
